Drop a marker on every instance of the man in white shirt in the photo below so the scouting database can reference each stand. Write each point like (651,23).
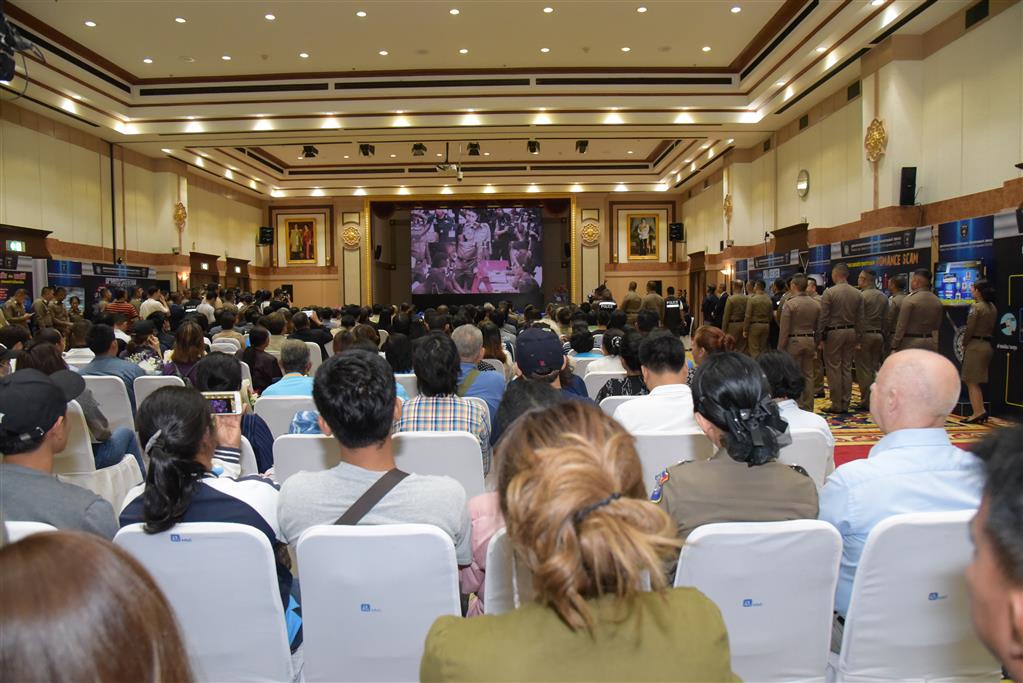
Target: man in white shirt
(154,303)
(208,307)
(787,383)
(669,405)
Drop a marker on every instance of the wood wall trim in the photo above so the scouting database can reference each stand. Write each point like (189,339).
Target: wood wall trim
(73,251)
(626,268)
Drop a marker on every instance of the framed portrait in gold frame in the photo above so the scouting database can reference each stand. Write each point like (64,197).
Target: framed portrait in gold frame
(300,240)
(644,236)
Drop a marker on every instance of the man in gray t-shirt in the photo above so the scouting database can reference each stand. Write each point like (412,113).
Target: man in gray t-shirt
(355,395)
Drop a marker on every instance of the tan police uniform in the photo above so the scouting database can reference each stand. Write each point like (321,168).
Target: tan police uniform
(839,327)
(818,366)
(631,303)
(797,336)
(61,319)
(757,323)
(918,323)
(734,317)
(44,315)
(977,342)
(868,358)
(15,312)
(653,302)
(891,319)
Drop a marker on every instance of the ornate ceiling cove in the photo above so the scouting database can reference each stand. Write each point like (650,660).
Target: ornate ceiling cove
(224,87)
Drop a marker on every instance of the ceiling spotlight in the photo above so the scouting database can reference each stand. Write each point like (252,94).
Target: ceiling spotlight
(548,10)
(736,9)
(822,50)
(629,152)
(383,53)
(729,141)
(309,151)
(180,20)
(486,154)
(474,149)
(147,60)
(876,3)
(463,51)
(92,24)
(545,50)
(361,14)
(533,146)
(641,10)
(269,17)
(706,48)
(626,49)
(454,11)
(581,146)
(226,58)
(303,55)
(366,150)
(418,149)
(165,150)
(439,154)
(780,84)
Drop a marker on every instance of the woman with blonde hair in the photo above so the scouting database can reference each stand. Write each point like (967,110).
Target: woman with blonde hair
(110,624)
(573,499)
(189,347)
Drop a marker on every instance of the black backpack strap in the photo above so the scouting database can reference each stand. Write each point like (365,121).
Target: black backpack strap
(380,488)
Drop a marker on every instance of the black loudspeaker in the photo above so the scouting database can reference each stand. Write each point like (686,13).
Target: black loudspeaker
(568,250)
(676,232)
(907,186)
(377,251)
(266,235)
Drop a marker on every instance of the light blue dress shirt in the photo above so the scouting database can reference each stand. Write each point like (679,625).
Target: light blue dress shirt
(488,385)
(116,367)
(910,470)
(292,384)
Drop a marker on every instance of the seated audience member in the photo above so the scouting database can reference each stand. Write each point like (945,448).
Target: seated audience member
(366,333)
(153,303)
(223,372)
(493,347)
(398,352)
(581,343)
(105,360)
(914,468)
(143,349)
(112,621)
(264,368)
(121,305)
(189,347)
(743,482)
(708,340)
(77,343)
(573,498)
(208,307)
(227,328)
(438,408)
(647,321)
(357,405)
(304,331)
(471,382)
(787,384)
(669,405)
(611,346)
(484,509)
(183,441)
(538,356)
(161,327)
(995,574)
(295,365)
(6,356)
(32,431)
(108,448)
(49,335)
(275,325)
(120,323)
(626,350)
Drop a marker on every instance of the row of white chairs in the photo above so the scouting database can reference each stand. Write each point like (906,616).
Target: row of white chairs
(370,594)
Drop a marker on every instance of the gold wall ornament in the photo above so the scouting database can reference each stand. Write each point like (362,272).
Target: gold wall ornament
(590,233)
(727,207)
(875,141)
(351,236)
(180,216)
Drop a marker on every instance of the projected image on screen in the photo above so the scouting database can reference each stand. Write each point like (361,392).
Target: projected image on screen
(477,250)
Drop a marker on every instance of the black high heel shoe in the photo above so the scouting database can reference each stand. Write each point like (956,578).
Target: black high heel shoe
(977,419)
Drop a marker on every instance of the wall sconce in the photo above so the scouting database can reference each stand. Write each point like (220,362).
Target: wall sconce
(204,266)
(183,277)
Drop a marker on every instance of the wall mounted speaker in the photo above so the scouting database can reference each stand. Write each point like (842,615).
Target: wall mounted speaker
(377,251)
(676,232)
(907,186)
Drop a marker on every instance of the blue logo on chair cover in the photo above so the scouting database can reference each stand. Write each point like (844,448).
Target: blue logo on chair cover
(748,602)
(936,596)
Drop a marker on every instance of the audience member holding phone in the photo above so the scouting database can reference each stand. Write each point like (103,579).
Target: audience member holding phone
(219,373)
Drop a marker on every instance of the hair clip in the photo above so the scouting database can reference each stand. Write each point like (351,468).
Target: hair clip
(580,515)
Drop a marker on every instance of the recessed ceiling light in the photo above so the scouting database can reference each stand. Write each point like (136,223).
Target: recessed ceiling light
(730,141)
(165,150)
(180,20)
(876,3)
(393,156)
(226,58)
(641,10)
(463,51)
(736,9)
(780,83)
(822,50)
(204,154)
(439,154)
(548,10)
(77,97)
(147,60)
(706,48)
(486,154)
(383,53)
(91,23)
(269,17)
(361,14)
(545,50)
(303,55)
(626,49)
(347,156)
(454,11)
(629,152)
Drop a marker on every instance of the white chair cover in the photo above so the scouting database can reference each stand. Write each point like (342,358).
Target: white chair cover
(609,404)
(509,582)
(598,340)
(496,364)
(315,357)
(246,372)
(278,411)
(657,452)
(112,398)
(19,530)
(370,595)
(580,365)
(483,405)
(453,454)
(304,453)
(229,340)
(109,483)
(77,455)
(409,382)
(248,459)
(909,614)
(809,449)
(774,583)
(147,384)
(224,346)
(383,334)
(221,581)
(595,381)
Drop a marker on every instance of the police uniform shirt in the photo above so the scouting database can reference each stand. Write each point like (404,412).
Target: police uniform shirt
(758,310)
(44,316)
(735,309)
(798,317)
(841,307)
(631,302)
(875,308)
(919,317)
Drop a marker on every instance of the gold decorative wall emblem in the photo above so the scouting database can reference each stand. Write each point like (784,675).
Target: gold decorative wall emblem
(727,207)
(351,236)
(180,216)
(875,141)
(590,234)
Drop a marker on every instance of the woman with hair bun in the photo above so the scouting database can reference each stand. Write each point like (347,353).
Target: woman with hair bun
(628,353)
(611,346)
(708,340)
(977,347)
(573,499)
(743,482)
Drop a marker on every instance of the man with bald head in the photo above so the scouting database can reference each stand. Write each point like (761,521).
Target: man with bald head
(914,468)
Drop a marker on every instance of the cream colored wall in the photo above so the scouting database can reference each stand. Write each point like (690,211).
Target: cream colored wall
(704,220)
(219,225)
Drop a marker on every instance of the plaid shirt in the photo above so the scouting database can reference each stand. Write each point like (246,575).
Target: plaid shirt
(446,414)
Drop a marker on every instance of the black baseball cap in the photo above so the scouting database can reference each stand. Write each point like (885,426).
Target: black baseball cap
(31,401)
(538,352)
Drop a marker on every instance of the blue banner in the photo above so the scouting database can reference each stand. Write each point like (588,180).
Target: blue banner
(969,240)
